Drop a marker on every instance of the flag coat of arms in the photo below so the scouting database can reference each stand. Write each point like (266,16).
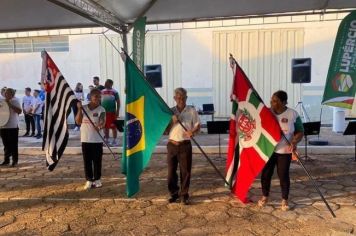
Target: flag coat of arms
(258,133)
(146,118)
(59,97)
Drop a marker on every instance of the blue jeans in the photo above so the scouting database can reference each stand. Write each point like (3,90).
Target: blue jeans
(37,118)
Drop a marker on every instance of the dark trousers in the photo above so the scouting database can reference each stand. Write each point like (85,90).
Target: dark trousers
(283,163)
(92,155)
(179,154)
(29,122)
(37,119)
(10,139)
(75,112)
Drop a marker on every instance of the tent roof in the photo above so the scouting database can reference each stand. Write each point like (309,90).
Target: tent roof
(24,15)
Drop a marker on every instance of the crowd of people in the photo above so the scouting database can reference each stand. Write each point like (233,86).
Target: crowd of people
(98,112)
(102,105)
(32,107)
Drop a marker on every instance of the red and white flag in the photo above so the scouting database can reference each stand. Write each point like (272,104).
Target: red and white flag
(255,129)
(59,97)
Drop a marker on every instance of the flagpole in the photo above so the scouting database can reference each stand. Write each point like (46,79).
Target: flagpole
(99,134)
(314,184)
(205,155)
(310,177)
(196,143)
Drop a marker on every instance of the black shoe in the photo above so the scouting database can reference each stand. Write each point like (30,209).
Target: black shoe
(185,200)
(38,136)
(14,164)
(33,135)
(173,199)
(5,163)
(26,135)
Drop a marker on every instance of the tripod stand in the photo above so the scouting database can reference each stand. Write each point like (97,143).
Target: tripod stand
(300,107)
(310,128)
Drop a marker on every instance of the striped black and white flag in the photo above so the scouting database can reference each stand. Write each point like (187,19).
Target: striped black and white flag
(59,97)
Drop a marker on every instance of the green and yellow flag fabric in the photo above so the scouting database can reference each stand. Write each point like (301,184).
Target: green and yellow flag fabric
(146,118)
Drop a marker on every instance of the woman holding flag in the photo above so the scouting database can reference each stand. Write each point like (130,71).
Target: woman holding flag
(292,128)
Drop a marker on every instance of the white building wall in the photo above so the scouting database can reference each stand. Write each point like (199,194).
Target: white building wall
(194,58)
(313,39)
(197,56)
(80,64)
(160,48)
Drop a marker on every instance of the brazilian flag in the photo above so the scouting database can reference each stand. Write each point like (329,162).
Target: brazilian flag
(146,118)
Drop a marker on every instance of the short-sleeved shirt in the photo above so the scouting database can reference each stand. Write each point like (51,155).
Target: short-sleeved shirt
(290,122)
(14,116)
(100,87)
(189,118)
(88,133)
(26,103)
(42,94)
(108,99)
(79,95)
(37,102)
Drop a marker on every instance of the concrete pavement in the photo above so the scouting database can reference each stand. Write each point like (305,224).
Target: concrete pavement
(34,201)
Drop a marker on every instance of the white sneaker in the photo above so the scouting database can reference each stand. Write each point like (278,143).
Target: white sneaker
(88,185)
(97,183)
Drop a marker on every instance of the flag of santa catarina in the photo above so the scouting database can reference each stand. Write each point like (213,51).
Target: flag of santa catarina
(258,133)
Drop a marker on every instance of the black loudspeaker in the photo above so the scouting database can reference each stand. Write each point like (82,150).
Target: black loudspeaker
(153,75)
(301,70)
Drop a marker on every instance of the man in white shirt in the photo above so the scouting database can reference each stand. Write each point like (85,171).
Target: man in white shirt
(27,111)
(179,147)
(10,131)
(37,105)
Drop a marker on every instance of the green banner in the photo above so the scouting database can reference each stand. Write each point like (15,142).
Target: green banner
(340,84)
(138,42)
(146,118)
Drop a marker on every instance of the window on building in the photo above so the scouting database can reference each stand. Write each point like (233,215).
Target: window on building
(51,44)
(23,45)
(6,45)
(35,44)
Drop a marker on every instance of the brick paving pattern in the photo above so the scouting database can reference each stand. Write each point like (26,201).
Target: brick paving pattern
(34,201)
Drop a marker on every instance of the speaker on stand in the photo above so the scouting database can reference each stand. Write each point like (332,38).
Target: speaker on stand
(301,73)
(153,75)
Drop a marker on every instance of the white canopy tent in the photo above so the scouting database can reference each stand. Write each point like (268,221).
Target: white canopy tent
(118,15)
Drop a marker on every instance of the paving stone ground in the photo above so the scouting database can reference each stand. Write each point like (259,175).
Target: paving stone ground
(34,201)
